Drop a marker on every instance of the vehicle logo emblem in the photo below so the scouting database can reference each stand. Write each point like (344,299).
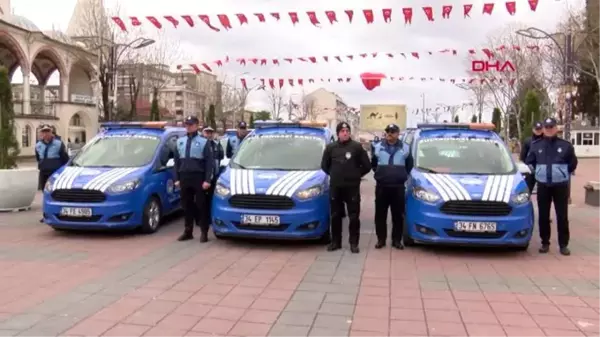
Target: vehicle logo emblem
(471,181)
(267,176)
(348,155)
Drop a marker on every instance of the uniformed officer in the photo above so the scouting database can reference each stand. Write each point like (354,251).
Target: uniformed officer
(233,144)
(553,160)
(346,162)
(50,153)
(376,141)
(218,154)
(537,134)
(194,169)
(391,163)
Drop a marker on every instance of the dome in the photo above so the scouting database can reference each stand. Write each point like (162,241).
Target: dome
(59,36)
(22,22)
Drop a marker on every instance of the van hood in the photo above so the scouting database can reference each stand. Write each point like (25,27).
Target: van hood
(92,178)
(270,182)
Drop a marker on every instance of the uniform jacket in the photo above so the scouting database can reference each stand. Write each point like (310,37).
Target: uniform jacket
(553,160)
(194,157)
(345,163)
(218,155)
(233,144)
(526,146)
(51,156)
(391,163)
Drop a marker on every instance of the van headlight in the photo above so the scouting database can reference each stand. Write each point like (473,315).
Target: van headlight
(425,195)
(221,190)
(49,187)
(310,192)
(521,198)
(125,187)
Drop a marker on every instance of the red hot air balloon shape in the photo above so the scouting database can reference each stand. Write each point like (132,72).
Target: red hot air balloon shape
(371,80)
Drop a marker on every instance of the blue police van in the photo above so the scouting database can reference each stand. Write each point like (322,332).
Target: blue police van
(465,189)
(122,179)
(274,186)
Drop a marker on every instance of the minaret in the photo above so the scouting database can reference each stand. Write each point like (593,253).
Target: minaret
(5,8)
(89,19)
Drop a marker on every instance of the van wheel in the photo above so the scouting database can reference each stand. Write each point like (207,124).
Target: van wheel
(152,216)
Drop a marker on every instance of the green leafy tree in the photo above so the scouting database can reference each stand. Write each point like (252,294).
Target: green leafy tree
(474,119)
(497,120)
(251,121)
(211,117)
(456,119)
(531,113)
(262,115)
(9,146)
(154,109)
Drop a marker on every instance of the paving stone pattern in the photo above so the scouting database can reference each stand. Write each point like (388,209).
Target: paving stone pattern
(132,285)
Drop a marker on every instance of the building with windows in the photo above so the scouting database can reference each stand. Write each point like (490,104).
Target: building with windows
(327,106)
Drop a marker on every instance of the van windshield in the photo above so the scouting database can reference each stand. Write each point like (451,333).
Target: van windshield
(118,151)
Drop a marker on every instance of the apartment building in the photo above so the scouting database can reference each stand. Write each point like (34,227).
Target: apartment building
(327,106)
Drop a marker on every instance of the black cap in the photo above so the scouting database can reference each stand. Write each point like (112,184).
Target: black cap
(342,125)
(538,126)
(242,125)
(46,127)
(393,128)
(191,120)
(550,122)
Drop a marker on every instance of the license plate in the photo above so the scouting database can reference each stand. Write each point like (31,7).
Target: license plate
(474,226)
(262,220)
(76,212)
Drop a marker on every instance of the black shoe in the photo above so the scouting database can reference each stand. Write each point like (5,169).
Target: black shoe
(333,247)
(380,244)
(185,237)
(544,249)
(42,220)
(354,249)
(565,251)
(203,237)
(398,244)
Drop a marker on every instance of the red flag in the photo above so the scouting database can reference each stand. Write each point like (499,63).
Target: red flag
(390,55)
(255,61)
(415,55)
(206,20)
(179,67)
(260,16)
(488,53)
(428,13)
(312,59)
(488,8)
(219,63)
(350,14)
(446,10)
(331,16)
(533,4)
(154,21)
(511,7)
(281,83)
(326,58)
(244,85)
(263,62)
(206,67)
(374,55)
(347,79)
(242,19)
(340,80)
(312,16)
(172,20)
(272,83)
(288,59)
(195,68)
(262,83)
(363,55)
(117,20)
(224,20)
(350,57)
(467,10)
(189,20)
(368,13)
(276,62)
(338,58)
(387,14)
(276,16)
(242,61)
(135,21)
(293,17)
(310,80)
(291,82)
(408,13)
(300,81)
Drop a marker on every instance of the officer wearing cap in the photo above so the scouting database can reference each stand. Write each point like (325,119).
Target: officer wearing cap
(537,133)
(346,162)
(218,154)
(194,170)
(391,163)
(50,153)
(553,160)
(233,144)
(376,141)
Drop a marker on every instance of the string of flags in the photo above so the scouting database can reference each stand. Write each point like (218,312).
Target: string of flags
(317,18)
(445,108)
(488,52)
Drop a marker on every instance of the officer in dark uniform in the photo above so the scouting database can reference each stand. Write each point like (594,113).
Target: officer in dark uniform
(218,154)
(50,154)
(346,162)
(391,163)
(537,134)
(553,160)
(194,169)
(233,144)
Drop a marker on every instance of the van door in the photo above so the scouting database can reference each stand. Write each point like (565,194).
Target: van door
(166,175)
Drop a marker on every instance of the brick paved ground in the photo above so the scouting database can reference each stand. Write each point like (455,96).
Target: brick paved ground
(127,285)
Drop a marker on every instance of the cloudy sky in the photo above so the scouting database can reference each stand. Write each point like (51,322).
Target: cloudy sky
(281,39)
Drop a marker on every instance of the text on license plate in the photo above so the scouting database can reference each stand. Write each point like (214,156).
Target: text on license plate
(76,212)
(264,220)
(474,226)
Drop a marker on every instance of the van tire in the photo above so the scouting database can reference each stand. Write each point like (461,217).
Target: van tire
(152,216)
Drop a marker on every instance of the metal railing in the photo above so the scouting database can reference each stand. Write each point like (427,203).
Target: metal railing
(37,108)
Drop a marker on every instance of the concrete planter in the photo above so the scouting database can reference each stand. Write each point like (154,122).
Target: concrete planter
(17,188)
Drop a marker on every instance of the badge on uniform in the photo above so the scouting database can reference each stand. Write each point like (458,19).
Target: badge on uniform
(348,155)
(559,150)
(540,150)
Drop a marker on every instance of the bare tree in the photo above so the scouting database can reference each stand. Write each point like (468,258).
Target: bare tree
(233,101)
(276,102)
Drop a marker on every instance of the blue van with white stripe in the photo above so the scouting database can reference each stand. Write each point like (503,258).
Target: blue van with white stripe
(465,189)
(122,179)
(274,187)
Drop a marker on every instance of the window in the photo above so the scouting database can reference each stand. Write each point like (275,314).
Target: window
(26,136)
(596,138)
(578,139)
(588,138)
(118,151)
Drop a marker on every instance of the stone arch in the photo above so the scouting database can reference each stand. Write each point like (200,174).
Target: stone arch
(79,125)
(51,55)
(14,47)
(80,77)
(85,65)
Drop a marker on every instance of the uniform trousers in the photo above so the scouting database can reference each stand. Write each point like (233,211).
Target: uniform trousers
(546,196)
(193,202)
(389,198)
(349,197)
